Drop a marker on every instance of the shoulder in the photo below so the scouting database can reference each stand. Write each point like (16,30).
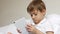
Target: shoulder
(54,18)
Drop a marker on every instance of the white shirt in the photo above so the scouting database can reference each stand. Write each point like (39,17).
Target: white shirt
(44,26)
(54,19)
(49,23)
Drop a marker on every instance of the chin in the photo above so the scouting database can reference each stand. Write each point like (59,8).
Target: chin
(36,22)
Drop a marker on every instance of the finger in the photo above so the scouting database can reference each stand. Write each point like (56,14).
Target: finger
(29,25)
(28,29)
(9,33)
(18,30)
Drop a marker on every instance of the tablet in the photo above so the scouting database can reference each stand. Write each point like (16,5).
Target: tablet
(21,23)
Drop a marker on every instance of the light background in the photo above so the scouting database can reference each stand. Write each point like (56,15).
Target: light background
(11,10)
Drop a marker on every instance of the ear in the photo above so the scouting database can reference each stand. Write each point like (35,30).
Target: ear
(43,11)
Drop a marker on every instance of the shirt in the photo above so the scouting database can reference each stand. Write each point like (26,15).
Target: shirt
(44,26)
(49,23)
(54,19)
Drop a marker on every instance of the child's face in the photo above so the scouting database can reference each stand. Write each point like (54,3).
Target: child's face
(37,16)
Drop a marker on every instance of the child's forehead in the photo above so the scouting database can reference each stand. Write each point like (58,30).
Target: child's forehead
(33,12)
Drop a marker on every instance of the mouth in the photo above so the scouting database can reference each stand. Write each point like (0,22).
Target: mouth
(35,20)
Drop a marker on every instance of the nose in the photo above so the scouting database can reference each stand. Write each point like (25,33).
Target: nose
(33,16)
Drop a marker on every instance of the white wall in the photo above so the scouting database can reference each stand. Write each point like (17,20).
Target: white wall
(11,10)
(53,6)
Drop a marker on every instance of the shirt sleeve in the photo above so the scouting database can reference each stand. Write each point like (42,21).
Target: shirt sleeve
(49,27)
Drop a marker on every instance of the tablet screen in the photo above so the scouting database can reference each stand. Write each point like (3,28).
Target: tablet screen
(21,23)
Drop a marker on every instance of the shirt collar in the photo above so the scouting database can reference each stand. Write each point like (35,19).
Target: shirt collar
(43,21)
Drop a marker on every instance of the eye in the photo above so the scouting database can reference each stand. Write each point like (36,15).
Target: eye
(31,15)
(35,14)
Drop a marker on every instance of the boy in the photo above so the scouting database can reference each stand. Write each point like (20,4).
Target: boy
(37,10)
(41,25)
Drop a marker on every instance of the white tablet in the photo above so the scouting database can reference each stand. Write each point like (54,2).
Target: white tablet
(21,23)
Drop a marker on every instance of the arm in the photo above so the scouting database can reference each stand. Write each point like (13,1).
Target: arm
(9,33)
(49,32)
(18,30)
(39,32)
(33,30)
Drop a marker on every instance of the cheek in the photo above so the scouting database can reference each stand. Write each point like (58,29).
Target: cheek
(39,17)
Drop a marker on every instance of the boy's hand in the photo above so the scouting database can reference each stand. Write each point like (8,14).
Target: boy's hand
(9,33)
(18,30)
(31,28)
